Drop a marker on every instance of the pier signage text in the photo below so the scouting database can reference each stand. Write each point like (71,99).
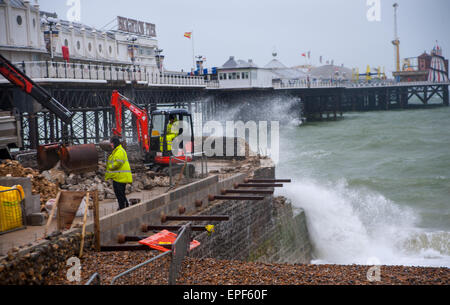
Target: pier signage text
(136,27)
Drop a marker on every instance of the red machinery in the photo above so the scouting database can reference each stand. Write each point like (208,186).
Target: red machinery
(21,80)
(73,158)
(153,137)
(118,101)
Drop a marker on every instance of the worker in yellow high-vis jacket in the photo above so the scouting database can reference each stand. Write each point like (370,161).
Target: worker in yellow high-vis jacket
(172,132)
(118,169)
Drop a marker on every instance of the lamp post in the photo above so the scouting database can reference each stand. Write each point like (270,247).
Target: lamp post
(199,64)
(132,40)
(50,22)
(159,59)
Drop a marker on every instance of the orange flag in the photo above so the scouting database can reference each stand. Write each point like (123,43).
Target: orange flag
(188,35)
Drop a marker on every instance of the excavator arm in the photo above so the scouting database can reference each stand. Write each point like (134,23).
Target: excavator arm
(19,79)
(118,101)
(80,158)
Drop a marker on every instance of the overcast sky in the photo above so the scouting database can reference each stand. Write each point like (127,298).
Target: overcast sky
(252,29)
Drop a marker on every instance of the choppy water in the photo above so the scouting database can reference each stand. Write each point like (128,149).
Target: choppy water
(374,185)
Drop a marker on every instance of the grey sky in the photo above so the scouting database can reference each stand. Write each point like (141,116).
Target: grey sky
(251,29)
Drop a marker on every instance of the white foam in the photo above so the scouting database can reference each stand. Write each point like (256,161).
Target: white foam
(351,226)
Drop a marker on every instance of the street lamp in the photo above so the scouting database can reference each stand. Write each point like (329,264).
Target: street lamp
(50,22)
(159,59)
(132,39)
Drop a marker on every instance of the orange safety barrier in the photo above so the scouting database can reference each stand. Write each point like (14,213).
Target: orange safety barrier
(164,238)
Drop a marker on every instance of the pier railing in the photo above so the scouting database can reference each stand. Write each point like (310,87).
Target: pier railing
(87,72)
(304,84)
(82,72)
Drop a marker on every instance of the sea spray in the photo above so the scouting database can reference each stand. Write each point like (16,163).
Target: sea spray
(373,185)
(349,226)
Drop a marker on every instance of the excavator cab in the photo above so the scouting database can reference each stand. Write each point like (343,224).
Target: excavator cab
(171,131)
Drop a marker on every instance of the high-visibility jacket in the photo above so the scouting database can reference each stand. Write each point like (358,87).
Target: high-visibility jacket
(171,135)
(118,168)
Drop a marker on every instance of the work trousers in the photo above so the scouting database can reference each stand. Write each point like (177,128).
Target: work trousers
(119,190)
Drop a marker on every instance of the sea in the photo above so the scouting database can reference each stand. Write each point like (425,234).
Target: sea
(375,186)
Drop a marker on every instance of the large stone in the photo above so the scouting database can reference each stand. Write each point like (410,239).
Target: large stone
(72,179)
(90,175)
(37,219)
(129,189)
(138,185)
(55,175)
(109,194)
(151,174)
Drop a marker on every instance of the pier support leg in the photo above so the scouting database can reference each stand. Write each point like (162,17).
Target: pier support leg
(388,99)
(446,101)
(33,131)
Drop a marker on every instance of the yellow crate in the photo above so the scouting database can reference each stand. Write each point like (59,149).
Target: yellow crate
(11,208)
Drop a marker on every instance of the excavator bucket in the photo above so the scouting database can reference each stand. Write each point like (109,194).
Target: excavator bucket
(47,156)
(77,158)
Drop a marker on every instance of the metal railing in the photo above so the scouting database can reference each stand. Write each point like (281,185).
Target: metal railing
(393,84)
(146,272)
(303,84)
(153,271)
(12,211)
(176,80)
(82,71)
(95,279)
(212,84)
(104,72)
(180,250)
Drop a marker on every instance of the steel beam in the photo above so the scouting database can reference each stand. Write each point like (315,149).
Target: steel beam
(243,198)
(196,218)
(268,180)
(263,192)
(265,185)
(125,248)
(146,228)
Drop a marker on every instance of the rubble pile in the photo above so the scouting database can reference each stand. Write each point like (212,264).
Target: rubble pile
(142,180)
(41,185)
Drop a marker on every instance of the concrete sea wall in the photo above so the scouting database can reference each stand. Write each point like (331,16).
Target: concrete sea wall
(258,231)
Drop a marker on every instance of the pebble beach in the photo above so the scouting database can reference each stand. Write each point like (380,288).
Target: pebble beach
(222,272)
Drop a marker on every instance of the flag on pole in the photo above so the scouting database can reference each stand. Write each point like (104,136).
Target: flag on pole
(188,35)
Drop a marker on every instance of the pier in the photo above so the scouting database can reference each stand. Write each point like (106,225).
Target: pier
(89,98)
